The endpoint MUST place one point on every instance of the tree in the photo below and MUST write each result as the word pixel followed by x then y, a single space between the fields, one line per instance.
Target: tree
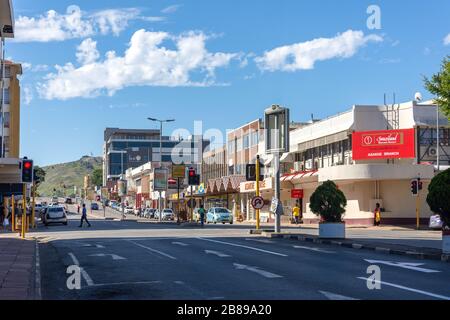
pixel 328 202
pixel 439 85
pixel 97 177
pixel 39 175
pixel 439 196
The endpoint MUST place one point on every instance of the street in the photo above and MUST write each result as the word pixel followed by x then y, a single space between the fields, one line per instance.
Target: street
pixel 128 260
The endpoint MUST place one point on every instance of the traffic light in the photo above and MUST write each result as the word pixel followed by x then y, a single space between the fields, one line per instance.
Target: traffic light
pixel 420 184
pixel 27 171
pixel 193 178
pixel 415 187
pixel 250 173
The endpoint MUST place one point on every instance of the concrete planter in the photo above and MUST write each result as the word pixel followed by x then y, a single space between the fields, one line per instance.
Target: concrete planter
pixel 332 230
pixel 446 242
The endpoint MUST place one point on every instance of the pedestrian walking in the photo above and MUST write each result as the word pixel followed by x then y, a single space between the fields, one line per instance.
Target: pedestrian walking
pixel 377 215
pixel 84 217
pixel 78 209
pixel 296 213
pixel 202 212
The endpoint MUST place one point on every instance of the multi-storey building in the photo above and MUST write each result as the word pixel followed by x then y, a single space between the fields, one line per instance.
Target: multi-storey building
pixel 372 153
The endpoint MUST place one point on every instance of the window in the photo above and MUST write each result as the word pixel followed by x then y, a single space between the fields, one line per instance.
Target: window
pixel 6 95
pixel 239 144
pixel 231 146
pixel 255 138
pixel 246 141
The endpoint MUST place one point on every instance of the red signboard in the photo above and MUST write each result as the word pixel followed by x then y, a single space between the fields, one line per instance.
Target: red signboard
pixel 389 144
pixel 297 193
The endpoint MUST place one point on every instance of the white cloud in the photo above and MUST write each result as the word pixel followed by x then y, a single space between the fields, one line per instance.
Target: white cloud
pixel 447 40
pixel 303 56
pixel 27 95
pixel 171 9
pixel 87 52
pixel 146 62
pixel 74 24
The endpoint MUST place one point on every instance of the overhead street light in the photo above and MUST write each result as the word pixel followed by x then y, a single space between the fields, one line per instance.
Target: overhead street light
pixel 160 153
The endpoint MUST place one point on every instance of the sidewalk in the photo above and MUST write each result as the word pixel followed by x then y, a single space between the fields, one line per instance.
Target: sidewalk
pixel 18 268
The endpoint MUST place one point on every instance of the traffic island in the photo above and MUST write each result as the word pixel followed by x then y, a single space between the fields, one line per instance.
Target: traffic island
pixel 388 248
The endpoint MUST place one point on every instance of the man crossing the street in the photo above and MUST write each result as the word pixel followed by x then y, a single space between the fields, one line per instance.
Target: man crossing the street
pixel 84 217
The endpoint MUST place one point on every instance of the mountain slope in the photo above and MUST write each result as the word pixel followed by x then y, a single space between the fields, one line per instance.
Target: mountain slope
pixel 69 174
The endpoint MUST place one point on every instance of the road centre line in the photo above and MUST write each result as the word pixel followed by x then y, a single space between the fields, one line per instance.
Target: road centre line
pixel 430 294
pixel 153 250
pixel 85 275
pixel 246 247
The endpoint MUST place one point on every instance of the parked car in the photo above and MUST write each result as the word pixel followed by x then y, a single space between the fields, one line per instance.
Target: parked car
pixel 68 201
pixel 149 213
pixel 94 206
pixel 436 222
pixel 54 214
pixel 55 200
pixel 219 215
pixel 129 210
pixel 168 215
pixel 38 207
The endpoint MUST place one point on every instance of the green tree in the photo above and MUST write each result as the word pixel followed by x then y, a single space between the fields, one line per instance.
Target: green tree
pixel 439 196
pixel 328 202
pixel 97 177
pixel 439 85
pixel 39 175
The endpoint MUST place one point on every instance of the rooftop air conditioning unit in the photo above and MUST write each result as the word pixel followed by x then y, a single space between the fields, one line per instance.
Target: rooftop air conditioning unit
pixel 432 151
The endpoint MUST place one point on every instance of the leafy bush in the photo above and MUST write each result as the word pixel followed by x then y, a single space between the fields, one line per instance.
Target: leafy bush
pixel 439 196
pixel 328 202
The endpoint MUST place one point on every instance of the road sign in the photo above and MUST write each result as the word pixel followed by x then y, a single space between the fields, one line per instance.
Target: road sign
pixel 179 171
pixel 258 203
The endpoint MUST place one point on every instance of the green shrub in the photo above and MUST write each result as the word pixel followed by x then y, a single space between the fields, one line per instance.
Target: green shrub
pixel 328 202
pixel 439 196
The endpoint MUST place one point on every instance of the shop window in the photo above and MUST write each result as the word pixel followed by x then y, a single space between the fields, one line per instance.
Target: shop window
pixel 246 141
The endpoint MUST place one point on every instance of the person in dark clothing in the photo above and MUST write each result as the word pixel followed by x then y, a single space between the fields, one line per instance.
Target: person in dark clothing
pixel 202 212
pixel 84 217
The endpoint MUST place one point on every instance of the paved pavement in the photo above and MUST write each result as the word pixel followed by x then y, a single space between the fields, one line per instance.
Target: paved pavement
pixel 129 260
pixel 17 268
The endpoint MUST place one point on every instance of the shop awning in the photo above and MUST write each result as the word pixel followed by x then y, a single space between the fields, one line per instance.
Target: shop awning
pixel 299 175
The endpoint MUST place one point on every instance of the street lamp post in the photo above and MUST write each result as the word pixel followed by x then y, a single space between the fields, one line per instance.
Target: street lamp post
pixel 437 141
pixel 161 154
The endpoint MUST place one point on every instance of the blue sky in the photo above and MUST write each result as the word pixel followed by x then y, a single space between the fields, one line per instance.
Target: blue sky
pixel 221 62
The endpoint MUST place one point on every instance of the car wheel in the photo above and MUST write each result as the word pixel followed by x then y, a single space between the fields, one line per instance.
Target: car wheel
pixel 231 222
pixel 223 222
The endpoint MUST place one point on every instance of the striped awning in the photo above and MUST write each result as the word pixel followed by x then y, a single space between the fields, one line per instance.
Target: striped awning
pixel 299 175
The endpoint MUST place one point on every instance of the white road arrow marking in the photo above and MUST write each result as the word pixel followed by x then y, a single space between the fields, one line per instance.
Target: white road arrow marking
pixel 313 249
pixel 180 244
pixel 246 247
pixel 219 254
pixel 404 265
pixel 260 240
pixel 113 256
pixel 99 246
pixel 430 294
pixel 335 297
pixel 263 273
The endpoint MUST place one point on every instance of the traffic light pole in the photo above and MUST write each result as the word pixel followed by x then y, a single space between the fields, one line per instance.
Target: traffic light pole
pixel 33 212
pixel 24 213
pixel 257 192
pixel 418 209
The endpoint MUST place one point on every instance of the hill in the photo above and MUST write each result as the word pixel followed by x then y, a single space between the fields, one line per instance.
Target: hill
pixel 69 174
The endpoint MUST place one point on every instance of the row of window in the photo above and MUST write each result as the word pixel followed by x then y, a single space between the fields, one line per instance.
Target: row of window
pixel 6 96
pixel 429 136
pixel 249 140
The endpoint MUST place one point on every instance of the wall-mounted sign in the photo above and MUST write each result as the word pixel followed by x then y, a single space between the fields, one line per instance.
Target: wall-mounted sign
pixel 160 179
pixel 389 144
pixel 297 193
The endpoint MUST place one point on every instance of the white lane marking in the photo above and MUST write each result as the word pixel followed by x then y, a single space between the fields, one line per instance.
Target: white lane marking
pixel 246 247
pixel 335 297
pixel 180 244
pixel 217 253
pixel 260 240
pixel 406 288
pixel 154 250
pixel 113 256
pixel 313 249
pixel 85 275
pixel 99 246
pixel 126 283
pixel 263 273
pixel 38 273
pixel 404 265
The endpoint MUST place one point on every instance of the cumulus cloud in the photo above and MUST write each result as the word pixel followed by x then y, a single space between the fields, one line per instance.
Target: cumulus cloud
pixel 146 62
pixel 27 95
pixel 75 23
pixel 447 40
pixel 87 52
pixel 303 56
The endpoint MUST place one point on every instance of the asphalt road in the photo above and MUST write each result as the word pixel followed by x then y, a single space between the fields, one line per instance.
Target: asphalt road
pixel 129 260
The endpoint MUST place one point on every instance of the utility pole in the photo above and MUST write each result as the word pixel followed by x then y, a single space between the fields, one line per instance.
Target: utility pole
pixel 24 212
pixel 257 192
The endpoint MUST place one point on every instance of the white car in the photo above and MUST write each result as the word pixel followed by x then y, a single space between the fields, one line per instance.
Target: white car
pixel 54 214
pixel 436 222
pixel 167 214
pixel 129 210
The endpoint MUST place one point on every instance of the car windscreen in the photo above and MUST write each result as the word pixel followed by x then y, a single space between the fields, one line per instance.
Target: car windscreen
pixel 222 211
